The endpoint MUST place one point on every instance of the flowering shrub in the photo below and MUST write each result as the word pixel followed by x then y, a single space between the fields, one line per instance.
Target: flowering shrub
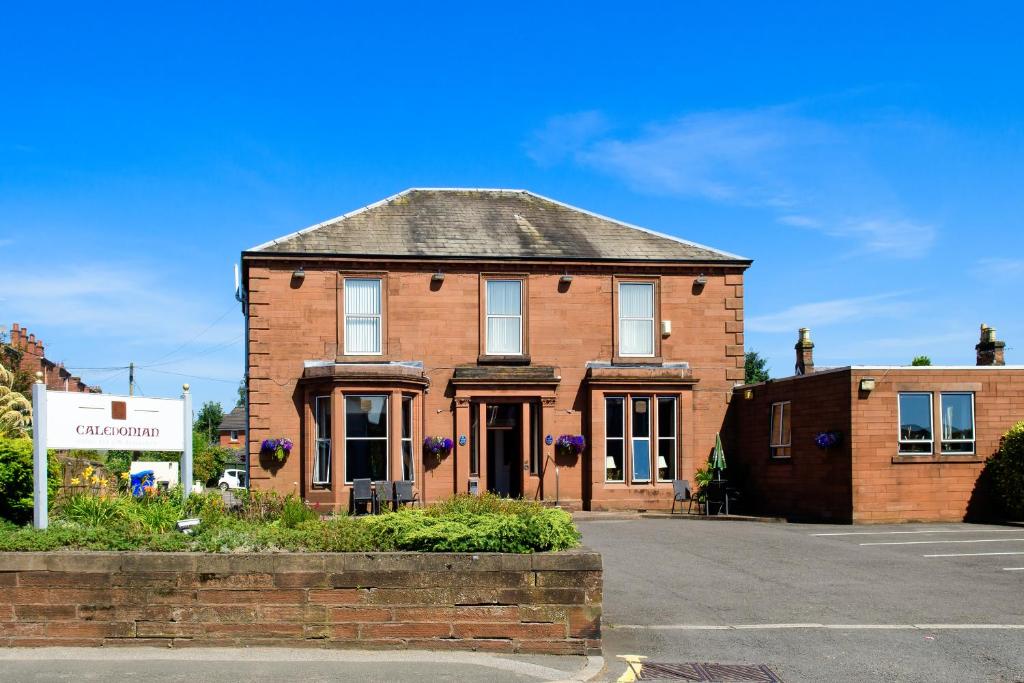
pixel 279 448
pixel 570 444
pixel 826 440
pixel 438 446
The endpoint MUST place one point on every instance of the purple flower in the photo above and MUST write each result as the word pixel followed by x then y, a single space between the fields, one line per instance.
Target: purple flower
pixel 825 440
pixel 572 444
pixel 438 446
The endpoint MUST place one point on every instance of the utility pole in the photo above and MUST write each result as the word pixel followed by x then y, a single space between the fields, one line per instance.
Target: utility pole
pixel 131 379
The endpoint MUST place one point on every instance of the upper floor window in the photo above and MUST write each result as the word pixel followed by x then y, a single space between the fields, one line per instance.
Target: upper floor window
pixel 363 316
pixel 957 423
pixel 636 319
pixel 781 437
pixel 504 302
pixel 915 412
pixel 234 435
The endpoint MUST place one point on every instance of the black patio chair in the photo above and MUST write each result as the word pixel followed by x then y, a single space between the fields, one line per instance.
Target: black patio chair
pixel 384 494
pixel 404 493
pixel 681 493
pixel 361 495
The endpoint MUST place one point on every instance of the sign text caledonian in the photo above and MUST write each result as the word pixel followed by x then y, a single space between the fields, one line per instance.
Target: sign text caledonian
pixel 103 421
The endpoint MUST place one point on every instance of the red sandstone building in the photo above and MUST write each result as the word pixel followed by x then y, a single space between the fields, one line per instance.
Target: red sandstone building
pixel 33 359
pixel 910 442
pixel 501 320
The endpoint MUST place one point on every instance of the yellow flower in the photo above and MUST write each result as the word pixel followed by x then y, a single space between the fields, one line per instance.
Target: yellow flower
pixel 124 476
pixel 87 472
pixel 95 480
pixel 75 481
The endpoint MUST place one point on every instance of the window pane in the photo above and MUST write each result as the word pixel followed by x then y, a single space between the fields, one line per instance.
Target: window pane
pixel 924 447
pixel 613 460
pixel 323 417
pixel 776 435
pixel 366 459
pixel 613 417
pixel 787 412
pixel 957 417
pixel 636 338
pixel 641 460
pixel 407 417
pixel 641 417
pixel 666 459
pixel 666 416
pixel 504 336
pixel 362 335
pixel 408 472
pixel 636 300
pixel 322 472
pixel 362 297
pixel 474 439
pixel 503 297
pixel 915 417
pixel 366 416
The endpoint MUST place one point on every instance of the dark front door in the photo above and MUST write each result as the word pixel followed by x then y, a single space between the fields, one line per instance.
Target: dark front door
pixel 505 449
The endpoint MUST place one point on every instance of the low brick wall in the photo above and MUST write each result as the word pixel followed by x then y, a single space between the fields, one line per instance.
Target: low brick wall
pixel 543 603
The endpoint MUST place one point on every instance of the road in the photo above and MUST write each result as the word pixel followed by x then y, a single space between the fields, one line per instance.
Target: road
pixel 812 602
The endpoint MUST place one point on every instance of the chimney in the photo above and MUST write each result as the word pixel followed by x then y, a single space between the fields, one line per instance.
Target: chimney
pixel 990 349
pixel 805 353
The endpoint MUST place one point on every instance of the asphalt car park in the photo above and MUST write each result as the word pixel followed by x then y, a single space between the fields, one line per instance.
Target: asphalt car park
pixel 814 602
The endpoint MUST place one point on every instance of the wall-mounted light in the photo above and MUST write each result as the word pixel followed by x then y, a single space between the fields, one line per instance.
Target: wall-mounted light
pixel 700 280
pixel 748 394
pixel 299 274
pixel 565 279
pixel 867 384
pixel 666 328
pixel 437 277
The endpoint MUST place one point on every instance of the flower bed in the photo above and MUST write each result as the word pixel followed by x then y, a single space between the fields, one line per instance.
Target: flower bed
pixel 267 522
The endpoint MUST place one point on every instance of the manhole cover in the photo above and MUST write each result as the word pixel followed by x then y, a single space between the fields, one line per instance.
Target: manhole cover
pixel 694 671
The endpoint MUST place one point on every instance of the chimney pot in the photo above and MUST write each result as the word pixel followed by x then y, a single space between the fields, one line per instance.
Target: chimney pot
pixel 804 352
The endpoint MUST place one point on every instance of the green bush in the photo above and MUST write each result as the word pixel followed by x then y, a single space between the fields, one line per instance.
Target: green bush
pixel 16 495
pixel 268 522
pixel 1007 472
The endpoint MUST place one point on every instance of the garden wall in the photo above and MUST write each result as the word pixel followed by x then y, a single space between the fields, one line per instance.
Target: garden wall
pixel 542 603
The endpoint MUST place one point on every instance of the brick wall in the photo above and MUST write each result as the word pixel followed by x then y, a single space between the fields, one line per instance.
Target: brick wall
pixel 547 603
pixel 811 483
pixel 439 325
pixel 34 360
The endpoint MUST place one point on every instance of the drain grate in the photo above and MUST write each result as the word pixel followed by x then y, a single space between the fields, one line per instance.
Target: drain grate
pixel 707 672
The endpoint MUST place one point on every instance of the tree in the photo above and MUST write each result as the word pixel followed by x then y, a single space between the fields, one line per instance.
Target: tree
pixel 240 403
pixel 208 420
pixel 15 409
pixel 921 360
pixel 755 368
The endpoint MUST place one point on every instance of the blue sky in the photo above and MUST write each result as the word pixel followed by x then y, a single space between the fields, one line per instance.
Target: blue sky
pixel 869 159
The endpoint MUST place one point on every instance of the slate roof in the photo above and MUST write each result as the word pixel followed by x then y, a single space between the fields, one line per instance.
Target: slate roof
pixel 233 420
pixel 493 224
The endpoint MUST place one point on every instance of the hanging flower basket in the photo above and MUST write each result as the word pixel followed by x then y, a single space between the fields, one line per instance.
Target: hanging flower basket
pixel 438 446
pixel 827 440
pixel 570 445
pixel 279 449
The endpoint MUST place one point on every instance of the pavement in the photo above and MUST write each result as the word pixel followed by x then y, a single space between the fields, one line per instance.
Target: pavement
pixel 911 602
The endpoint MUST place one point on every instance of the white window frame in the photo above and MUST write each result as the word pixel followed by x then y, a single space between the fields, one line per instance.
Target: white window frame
pixel 634 439
pixel 379 316
pixel 322 478
pixel 674 438
pixel 784 406
pixel 625 456
pixel 942 426
pixel 488 316
pixel 387 432
pixel 233 436
pixel 654 313
pixel 899 424
pixel 408 399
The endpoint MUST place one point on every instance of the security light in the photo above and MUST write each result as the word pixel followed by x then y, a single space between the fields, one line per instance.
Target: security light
pixel 299 274
pixel 437 277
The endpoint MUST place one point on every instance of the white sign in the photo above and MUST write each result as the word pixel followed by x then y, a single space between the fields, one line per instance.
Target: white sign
pixel 107 422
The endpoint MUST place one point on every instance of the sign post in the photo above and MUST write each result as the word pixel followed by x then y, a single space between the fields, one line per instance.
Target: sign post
pixel 63 419
pixel 40 471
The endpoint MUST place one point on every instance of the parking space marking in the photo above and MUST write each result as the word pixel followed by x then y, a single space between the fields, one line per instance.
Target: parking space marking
pixel 836 627
pixel 973 540
pixel 973 554
pixel 928 531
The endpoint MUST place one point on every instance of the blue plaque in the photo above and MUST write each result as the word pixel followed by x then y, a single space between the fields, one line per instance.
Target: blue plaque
pixel 549 439
pixel 462 439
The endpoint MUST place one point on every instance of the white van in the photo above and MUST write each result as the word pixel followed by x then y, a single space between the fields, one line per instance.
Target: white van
pixel 232 479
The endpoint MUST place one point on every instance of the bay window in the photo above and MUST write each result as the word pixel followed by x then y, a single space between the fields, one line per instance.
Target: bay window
pixel 614 442
pixel 666 438
pixel 408 462
pixel 322 455
pixel 640 443
pixel 640 431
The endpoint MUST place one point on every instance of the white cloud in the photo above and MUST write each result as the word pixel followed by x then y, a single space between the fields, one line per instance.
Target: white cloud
pixel 812 174
pixel 1001 268
pixel 823 313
